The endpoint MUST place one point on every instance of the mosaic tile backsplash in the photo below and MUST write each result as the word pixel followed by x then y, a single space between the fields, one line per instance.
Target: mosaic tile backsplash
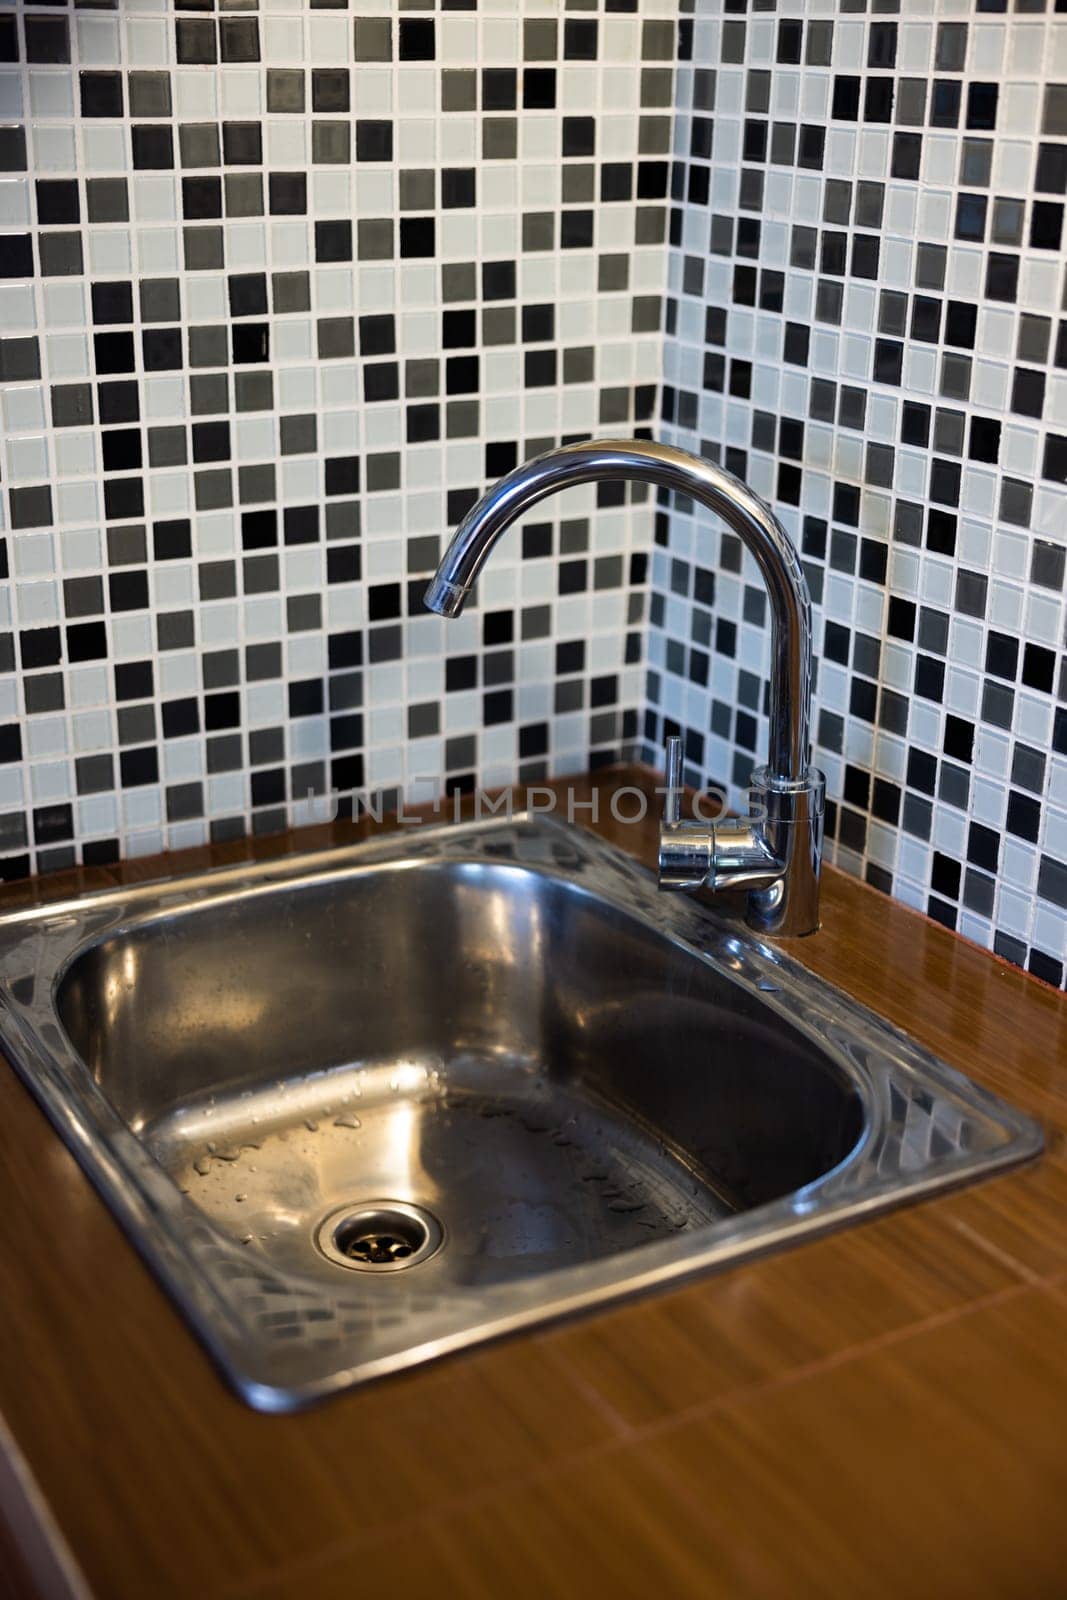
pixel 281 292
pixel 867 319
pixel 282 289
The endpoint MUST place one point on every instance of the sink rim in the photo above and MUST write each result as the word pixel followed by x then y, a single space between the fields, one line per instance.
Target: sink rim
pixel 213 1281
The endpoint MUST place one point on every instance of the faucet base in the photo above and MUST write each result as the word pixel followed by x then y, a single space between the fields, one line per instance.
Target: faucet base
pixel 793 827
pixel 774 853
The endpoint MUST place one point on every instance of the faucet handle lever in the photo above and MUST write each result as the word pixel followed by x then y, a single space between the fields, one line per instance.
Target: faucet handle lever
pixel 672 802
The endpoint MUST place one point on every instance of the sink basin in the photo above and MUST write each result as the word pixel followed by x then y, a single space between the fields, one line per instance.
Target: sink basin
pixel 365 1107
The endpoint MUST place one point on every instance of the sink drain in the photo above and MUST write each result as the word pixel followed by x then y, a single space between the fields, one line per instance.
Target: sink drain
pixel 380 1236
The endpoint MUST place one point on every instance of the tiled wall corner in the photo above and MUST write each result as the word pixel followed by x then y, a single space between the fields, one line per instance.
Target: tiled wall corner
pixel 867 319
pixel 281 291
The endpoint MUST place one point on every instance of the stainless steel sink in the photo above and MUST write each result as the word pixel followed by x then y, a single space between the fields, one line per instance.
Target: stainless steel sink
pixel 361 1108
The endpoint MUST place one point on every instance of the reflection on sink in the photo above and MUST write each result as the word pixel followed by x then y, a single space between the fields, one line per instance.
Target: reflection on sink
pixel 362 1108
pixel 525 1060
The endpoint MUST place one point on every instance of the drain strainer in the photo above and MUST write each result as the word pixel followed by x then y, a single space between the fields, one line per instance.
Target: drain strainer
pixel 379 1236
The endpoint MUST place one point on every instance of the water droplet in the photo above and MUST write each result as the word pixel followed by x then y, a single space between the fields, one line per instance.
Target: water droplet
pixel 240 1197
pixel 311 1125
pixel 348 1121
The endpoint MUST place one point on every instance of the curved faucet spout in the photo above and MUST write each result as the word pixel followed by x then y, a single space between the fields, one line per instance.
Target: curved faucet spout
pixel 744 512
pixel 776 856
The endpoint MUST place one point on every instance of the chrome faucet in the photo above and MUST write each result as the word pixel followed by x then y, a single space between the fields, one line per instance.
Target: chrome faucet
pixel 775 852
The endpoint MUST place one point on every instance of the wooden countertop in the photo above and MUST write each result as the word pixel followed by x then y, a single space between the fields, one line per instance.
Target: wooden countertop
pixel 882 1412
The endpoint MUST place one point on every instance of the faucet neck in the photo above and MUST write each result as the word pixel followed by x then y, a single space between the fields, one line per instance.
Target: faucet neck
pixel 753 521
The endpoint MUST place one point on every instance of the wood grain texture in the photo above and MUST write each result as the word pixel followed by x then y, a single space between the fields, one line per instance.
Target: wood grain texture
pixel 880 1412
